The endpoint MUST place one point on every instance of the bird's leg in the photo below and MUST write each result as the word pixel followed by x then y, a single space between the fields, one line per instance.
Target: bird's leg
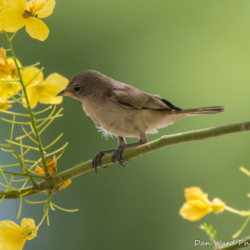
pixel 97 158
pixel 122 145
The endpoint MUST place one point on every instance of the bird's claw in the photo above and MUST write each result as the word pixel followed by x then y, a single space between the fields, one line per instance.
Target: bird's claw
pixel 117 155
pixel 97 160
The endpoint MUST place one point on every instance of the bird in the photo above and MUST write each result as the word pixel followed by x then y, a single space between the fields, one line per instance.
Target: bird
pixel 123 110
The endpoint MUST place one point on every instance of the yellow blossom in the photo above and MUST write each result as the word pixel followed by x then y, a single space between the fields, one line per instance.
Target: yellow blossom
pixel 197 204
pixel 65 184
pixel 51 165
pixel 4 104
pixel 5 67
pixel 8 72
pixel 19 13
pixel 41 90
pixel 9 88
pixel 13 236
pixel 39 171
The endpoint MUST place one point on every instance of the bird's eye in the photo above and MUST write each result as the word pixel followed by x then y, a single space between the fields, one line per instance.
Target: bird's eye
pixel 77 89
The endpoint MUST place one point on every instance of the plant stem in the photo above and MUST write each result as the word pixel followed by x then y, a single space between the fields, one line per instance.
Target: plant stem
pixel 235 211
pixel 28 103
pixel 131 153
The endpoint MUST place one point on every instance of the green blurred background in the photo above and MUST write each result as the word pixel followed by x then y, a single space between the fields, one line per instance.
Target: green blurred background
pixel 193 53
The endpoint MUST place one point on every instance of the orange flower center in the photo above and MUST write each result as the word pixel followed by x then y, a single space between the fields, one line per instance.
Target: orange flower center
pixel 27 14
pixel 32 7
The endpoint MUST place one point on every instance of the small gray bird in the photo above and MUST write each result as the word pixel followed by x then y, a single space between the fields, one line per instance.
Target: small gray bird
pixel 123 110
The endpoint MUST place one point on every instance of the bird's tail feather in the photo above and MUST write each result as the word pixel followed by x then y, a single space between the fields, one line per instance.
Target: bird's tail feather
pixel 201 111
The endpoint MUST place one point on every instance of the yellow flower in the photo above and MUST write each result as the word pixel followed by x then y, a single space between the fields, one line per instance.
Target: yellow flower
pixel 4 104
pixel 5 67
pixel 65 184
pixel 51 165
pixel 41 90
pixel 39 171
pixel 9 88
pixel 8 72
pixel 19 13
pixel 198 205
pixel 13 236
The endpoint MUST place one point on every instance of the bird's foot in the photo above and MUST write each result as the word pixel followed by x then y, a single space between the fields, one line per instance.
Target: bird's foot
pixel 97 160
pixel 117 155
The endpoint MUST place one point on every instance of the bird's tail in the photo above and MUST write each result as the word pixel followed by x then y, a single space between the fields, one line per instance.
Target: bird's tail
pixel 201 111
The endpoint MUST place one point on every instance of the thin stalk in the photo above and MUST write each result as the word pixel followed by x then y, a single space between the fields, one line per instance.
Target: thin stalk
pixel 58 150
pixel 22 165
pixel 42 111
pixel 28 104
pixel 33 65
pixel 235 211
pixel 23 136
pixel 52 143
pixel 25 146
pixel 17 174
pixel 23 123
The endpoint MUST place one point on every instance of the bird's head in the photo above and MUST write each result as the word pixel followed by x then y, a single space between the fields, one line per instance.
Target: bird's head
pixel 84 84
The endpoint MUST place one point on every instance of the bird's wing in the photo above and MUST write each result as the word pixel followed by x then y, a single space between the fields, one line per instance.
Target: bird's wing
pixel 128 96
pixel 133 98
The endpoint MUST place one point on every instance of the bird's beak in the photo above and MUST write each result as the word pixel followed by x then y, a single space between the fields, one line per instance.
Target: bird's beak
pixel 64 93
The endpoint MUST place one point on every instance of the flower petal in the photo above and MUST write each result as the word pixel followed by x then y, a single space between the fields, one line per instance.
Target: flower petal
pixel 8 89
pixel 37 28
pixel 35 5
pixel 29 73
pixel 193 213
pixel 198 203
pixel 27 222
pixel 11 235
pixel 55 83
pixel 65 184
pixel 1 27
pixel 47 10
pixel 39 171
pixel 193 193
pixel 11 61
pixel 4 105
pixel 8 224
pixel 33 100
pixel 15 4
pixel 29 228
pixel 57 80
pixel 11 20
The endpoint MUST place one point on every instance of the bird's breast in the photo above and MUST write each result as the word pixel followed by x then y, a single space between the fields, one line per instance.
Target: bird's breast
pixel 113 118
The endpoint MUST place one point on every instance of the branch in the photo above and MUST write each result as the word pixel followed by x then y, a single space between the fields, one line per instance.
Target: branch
pixel 130 154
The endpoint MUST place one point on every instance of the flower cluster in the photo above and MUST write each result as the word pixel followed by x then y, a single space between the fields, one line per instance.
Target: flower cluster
pixel 27 85
pixel 16 14
pixel 197 204
pixel 38 89
pixel 52 169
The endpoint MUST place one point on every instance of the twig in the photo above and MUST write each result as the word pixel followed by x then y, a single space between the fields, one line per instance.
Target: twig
pixel 131 153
